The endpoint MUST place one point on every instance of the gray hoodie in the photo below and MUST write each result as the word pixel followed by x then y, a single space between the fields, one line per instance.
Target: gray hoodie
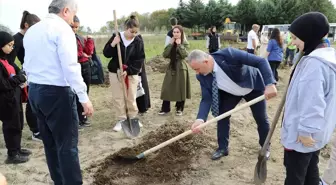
pixel 310 108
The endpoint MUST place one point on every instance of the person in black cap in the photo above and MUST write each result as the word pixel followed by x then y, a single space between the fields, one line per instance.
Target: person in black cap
pixel 11 112
pixel 309 116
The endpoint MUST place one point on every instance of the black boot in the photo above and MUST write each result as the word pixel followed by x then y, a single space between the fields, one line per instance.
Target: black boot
pixel 25 152
pixel 16 159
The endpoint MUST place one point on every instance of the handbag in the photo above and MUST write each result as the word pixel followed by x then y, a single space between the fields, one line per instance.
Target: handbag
pixel 140 89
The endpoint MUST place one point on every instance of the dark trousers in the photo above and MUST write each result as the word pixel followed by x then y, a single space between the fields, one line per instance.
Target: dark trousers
pixel 12 131
pixel 212 50
pixel 301 168
pixel 31 118
pixel 274 66
pixel 56 111
pixel 166 106
pixel 250 51
pixel 229 102
pixel 86 74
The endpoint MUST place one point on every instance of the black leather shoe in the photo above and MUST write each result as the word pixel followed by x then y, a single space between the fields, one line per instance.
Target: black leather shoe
pixel 16 159
pixel 220 153
pixel 25 152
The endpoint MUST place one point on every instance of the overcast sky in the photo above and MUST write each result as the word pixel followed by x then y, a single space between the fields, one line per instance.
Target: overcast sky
pixel 93 13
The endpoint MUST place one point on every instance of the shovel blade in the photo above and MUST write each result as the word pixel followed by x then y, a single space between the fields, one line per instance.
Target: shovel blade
pixel 131 127
pixel 260 171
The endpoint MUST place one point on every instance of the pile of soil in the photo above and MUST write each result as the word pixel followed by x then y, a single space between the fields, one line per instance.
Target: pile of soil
pixel 158 63
pixel 164 166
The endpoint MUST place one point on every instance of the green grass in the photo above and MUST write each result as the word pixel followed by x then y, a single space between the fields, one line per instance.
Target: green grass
pixel 154 46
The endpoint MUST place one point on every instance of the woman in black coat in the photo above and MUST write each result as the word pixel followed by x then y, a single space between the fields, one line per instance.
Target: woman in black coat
pixel 11 113
pixel 143 102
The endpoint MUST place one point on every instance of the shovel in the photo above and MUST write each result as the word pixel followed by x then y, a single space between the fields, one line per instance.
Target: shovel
pixel 130 159
pixel 130 126
pixel 260 171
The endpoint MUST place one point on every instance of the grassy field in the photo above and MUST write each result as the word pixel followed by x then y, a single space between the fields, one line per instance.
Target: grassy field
pixel 100 141
pixel 154 46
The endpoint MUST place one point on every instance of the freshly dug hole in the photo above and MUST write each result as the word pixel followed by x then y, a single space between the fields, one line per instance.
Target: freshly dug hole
pixel 164 166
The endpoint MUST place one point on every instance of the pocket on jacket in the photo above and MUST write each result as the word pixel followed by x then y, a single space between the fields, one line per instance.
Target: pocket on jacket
pixel 292 133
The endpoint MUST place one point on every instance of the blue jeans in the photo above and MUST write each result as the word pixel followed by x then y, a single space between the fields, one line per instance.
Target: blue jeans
pixel 228 102
pixel 56 111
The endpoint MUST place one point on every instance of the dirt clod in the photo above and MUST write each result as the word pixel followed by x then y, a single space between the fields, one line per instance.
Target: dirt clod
pixel 158 63
pixel 164 166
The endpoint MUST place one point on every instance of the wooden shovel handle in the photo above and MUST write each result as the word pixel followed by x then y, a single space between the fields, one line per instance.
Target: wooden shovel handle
pixel 120 60
pixel 222 116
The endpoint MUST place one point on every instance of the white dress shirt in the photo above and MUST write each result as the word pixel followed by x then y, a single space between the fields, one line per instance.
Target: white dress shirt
pixel 51 56
pixel 226 84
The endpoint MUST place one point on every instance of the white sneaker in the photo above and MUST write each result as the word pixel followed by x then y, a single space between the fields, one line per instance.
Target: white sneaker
pixel 140 124
pixel 117 127
pixel 322 182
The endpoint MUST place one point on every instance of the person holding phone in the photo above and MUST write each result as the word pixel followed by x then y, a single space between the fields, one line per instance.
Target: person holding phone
pixel 176 84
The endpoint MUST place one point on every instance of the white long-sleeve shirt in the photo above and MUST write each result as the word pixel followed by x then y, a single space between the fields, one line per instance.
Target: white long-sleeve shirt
pixel 51 56
pixel 226 84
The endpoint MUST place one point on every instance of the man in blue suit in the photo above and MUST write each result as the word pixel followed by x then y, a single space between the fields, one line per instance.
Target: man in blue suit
pixel 227 76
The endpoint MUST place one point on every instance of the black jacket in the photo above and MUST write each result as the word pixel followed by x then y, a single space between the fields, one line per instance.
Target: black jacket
pixel 133 56
pixel 9 94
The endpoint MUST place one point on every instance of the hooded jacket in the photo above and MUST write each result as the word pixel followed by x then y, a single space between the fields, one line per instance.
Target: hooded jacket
pixel 311 101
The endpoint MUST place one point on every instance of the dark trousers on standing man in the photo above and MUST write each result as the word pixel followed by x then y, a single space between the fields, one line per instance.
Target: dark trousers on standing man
pixel 31 118
pixel 301 168
pixel 86 74
pixel 228 102
pixel 166 106
pixel 274 66
pixel 250 51
pixel 56 111
pixel 12 131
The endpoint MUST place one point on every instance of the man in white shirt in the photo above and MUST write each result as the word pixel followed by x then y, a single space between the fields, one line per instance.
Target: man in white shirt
pixel 252 39
pixel 54 77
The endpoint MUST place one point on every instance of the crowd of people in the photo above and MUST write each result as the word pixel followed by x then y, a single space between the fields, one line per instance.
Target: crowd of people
pixel 56 62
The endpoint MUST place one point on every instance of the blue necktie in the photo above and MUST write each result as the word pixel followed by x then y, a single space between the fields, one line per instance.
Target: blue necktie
pixel 215 101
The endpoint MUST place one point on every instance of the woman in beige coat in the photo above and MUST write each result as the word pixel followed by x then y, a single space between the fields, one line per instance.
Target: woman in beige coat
pixel 176 84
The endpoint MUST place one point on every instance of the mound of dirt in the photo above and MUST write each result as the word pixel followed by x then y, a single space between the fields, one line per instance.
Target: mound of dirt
pixel 164 166
pixel 158 63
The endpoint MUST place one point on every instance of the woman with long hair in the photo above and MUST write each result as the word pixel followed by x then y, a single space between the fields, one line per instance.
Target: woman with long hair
pixel 176 83
pixel 275 52
pixel 212 40
pixel 27 21
pixel 133 56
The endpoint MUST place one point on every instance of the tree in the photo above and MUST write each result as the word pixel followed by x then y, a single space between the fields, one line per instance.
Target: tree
pixel 181 13
pixel 195 13
pixel 246 12
pixel 103 29
pixel 160 18
pixel 88 30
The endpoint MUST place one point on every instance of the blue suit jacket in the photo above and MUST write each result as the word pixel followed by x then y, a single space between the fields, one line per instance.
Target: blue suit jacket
pixel 245 69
